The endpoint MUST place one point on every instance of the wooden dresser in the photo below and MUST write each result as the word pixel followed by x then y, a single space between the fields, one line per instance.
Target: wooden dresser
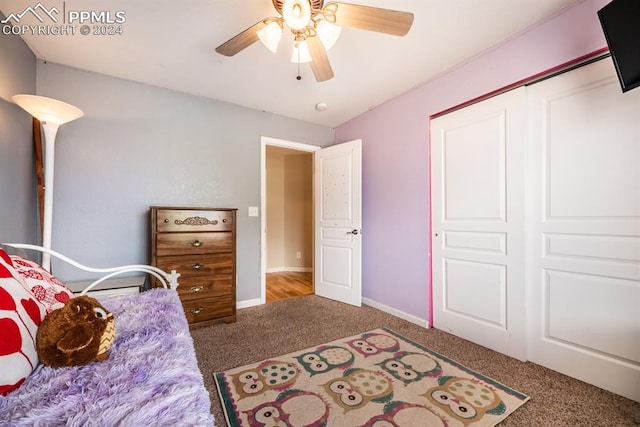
pixel 200 244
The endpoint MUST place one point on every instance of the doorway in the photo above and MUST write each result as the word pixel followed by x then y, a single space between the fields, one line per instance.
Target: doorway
pixel 337 218
pixel 287 206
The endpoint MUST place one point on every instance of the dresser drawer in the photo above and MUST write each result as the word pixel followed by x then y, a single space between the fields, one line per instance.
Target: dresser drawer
pixel 204 309
pixel 199 243
pixel 198 265
pixel 193 220
pixel 197 288
pixel 192 243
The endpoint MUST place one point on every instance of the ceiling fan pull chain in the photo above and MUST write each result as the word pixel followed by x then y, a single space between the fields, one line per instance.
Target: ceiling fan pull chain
pixel 298 77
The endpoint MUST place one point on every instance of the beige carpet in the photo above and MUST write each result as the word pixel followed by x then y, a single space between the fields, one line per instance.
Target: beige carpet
pixel 277 328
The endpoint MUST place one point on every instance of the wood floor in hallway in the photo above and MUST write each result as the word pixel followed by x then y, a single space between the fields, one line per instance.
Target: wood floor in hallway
pixel 288 284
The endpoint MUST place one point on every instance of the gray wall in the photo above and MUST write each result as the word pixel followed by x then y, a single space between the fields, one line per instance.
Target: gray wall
pixel 18 211
pixel 138 146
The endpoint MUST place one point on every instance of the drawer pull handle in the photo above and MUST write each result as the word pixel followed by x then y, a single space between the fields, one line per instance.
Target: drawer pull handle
pixel 196 243
pixel 197 266
pixel 196 310
pixel 196 289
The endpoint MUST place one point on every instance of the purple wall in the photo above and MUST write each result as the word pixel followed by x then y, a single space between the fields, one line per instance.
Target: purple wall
pixel 395 151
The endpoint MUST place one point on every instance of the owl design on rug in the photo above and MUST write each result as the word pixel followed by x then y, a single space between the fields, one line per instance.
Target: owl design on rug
pixel 411 367
pixel 269 375
pixel 325 358
pixel 402 414
pixel 291 408
pixel 464 399
pixel 358 387
pixel 372 343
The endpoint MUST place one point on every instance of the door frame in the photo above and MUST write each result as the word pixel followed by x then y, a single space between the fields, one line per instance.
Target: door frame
pixel 264 142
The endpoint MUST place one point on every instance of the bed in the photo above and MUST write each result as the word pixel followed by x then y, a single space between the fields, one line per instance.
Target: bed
pixel 150 378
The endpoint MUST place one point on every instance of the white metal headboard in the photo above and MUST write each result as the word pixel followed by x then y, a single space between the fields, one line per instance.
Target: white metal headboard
pixel 164 277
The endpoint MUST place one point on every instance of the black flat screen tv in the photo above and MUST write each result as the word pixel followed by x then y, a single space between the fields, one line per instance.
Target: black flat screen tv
pixel 620 20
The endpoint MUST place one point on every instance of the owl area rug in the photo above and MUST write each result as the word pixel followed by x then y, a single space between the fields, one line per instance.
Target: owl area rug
pixel 376 379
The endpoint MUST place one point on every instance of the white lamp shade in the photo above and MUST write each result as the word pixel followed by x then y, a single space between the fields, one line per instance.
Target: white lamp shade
pixel 300 53
pixel 48 110
pixel 297 13
pixel 270 36
pixel 328 33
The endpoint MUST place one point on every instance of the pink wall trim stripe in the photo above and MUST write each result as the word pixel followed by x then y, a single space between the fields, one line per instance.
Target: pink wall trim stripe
pixel 524 81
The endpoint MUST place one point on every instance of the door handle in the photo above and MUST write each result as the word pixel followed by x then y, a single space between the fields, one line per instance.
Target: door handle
pixel 354 232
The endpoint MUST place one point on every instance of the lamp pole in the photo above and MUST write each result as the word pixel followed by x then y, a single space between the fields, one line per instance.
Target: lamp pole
pixel 50 130
pixel 51 113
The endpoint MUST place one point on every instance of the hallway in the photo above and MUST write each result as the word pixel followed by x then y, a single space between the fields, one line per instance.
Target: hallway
pixel 288 284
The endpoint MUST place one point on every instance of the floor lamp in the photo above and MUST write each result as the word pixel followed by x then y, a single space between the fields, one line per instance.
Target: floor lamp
pixel 51 113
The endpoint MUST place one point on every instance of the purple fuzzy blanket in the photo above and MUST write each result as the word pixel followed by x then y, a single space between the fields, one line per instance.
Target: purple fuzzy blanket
pixel 150 378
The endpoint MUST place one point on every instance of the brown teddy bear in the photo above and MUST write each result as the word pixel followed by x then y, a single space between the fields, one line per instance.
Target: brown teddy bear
pixel 78 333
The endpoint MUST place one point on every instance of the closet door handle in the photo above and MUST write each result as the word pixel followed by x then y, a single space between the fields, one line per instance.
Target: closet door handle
pixel 354 232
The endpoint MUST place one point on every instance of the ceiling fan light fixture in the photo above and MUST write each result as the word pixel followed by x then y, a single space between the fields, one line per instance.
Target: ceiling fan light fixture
pixel 328 33
pixel 319 25
pixel 296 13
pixel 300 53
pixel 270 35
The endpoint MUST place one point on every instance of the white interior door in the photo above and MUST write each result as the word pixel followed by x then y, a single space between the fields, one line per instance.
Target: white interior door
pixel 338 222
pixel 477 160
pixel 585 228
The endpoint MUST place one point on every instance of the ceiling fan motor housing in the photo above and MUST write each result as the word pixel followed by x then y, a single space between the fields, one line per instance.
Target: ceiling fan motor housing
pixel 315 4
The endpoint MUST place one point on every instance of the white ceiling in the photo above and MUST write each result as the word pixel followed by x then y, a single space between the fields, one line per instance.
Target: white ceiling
pixel 171 44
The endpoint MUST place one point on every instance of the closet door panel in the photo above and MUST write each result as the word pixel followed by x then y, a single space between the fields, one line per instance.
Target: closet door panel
pixel 477 158
pixel 592 150
pixel 584 189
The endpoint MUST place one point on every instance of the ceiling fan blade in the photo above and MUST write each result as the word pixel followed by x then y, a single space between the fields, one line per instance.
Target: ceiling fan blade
pixel 386 21
pixel 319 60
pixel 241 40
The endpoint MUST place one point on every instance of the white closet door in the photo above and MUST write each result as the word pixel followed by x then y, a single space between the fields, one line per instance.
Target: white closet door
pixel 477 160
pixel 584 280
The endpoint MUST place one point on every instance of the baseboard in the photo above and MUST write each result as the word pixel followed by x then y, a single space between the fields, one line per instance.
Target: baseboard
pixel 401 314
pixel 117 283
pixel 248 303
pixel 110 287
pixel 294 269
pixel 108 293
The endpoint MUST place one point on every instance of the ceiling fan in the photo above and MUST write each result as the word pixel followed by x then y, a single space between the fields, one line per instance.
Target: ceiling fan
pixel 316 27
